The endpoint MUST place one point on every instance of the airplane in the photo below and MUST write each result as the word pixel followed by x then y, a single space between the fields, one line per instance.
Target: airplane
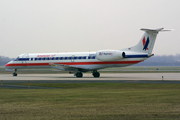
pixel 80 62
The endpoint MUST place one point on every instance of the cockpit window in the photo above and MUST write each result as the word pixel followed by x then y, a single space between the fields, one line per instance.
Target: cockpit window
pixel 17 59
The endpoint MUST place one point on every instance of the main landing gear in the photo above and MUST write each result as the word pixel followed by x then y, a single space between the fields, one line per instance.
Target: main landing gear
pixel 15 74
pixel 79 74
pixel 94 73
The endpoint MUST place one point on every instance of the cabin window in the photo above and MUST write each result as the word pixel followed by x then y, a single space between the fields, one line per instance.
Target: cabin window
pixel 91 57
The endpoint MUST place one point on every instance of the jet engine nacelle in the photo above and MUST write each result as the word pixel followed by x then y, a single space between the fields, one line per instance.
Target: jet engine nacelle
pixel 109 55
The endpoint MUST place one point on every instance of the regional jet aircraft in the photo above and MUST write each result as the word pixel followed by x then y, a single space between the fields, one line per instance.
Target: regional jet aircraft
pixel 80 62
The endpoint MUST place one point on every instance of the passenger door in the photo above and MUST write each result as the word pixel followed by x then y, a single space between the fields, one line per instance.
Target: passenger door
pixel 25 60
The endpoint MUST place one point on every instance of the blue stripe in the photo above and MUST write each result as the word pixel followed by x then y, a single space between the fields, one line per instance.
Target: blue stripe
pixel 136 56
pixel 56 58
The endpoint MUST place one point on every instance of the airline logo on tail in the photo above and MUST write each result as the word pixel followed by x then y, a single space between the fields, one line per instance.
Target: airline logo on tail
pixel 145 43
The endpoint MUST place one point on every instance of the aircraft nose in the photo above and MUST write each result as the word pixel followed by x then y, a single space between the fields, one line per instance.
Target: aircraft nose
pixel 8 64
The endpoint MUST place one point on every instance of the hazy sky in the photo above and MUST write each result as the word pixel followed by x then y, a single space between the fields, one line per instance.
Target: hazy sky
pixel 38 26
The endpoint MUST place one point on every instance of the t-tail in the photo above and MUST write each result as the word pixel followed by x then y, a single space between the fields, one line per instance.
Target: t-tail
pixel 147 41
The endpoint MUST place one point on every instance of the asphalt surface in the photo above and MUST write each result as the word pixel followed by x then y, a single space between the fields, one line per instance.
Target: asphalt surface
pixel 160 78
pixel 104 76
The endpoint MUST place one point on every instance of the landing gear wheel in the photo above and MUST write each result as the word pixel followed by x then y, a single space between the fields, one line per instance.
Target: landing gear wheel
pixel 79 74
pixel 14 74
pixel 96 74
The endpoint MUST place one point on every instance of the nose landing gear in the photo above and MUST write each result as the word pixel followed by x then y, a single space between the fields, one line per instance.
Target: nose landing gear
pixel 15 74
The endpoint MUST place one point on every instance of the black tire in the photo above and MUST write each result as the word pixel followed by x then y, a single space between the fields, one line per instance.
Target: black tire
pixel 79 75
pixel 96 74
pixel 14 74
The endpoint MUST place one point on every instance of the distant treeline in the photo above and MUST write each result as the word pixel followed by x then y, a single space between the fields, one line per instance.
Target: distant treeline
pixel 4 60
pixel 165 60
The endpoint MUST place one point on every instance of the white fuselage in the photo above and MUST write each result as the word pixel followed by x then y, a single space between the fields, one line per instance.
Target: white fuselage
pixel 84 60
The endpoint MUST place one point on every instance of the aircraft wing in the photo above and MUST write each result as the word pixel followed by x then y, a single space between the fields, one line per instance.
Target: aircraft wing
pixel 68 67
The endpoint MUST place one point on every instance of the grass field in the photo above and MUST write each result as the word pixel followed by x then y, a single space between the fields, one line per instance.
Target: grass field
pixel 111 101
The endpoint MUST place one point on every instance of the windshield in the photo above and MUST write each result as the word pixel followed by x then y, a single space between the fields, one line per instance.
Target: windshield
pixel 16 59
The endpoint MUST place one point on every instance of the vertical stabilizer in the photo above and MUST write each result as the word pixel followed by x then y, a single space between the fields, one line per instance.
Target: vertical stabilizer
pixel 146 44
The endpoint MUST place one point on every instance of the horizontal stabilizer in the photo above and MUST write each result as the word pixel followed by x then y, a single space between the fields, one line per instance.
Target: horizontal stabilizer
pixel 155 30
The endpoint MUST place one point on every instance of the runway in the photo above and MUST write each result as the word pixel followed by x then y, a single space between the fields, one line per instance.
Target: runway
pixel 104 76
pixel 159 78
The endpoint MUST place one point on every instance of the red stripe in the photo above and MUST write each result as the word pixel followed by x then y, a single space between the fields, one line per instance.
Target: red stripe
pixel 73 63
pixel 144 41
pixel 28 64
pixel 95 63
